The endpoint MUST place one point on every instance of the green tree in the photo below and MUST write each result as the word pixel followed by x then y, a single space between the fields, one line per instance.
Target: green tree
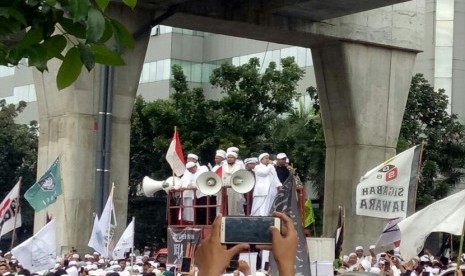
pixel 18 158
pixel 426 120
pixel 243 117
pixel 78 32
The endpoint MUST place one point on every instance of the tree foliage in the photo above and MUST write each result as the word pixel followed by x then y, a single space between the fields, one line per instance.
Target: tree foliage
pixel 244 116
pixel 18 157
pixel 426 120
pixel 78 32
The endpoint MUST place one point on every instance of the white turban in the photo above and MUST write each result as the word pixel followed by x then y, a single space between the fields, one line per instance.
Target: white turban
pixel 193 156
pixel 281 155
pixel 221 153
pixel 231 153
pixel 234 149
pixel 260 157
pixel 251 160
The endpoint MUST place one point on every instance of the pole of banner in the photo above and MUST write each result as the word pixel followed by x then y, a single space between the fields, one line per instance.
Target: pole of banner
pixel 418 176
pixel 16 213
pixel 451 245
pixel 459 256
pixel 132 255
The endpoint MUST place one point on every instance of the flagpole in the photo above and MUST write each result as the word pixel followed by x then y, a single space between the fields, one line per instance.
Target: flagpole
pixel 459 256
pixel 418 176
pixel 132 255
pixel 16 213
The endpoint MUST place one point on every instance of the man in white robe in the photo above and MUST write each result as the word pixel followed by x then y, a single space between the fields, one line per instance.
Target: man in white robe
pixel 266 186
pixel 189 180
pixel 235 200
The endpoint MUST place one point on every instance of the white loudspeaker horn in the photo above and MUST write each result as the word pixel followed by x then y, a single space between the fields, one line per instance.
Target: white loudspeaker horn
pixel 242 181
pixel 150 186
pixel 209 183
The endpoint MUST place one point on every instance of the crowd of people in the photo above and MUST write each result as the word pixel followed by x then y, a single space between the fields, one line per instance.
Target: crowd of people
pixel 391 263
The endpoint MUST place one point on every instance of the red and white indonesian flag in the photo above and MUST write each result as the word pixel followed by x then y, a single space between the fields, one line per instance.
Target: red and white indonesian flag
pixel 175 156
pixel 386 191
pixel 9 209
pixel 446 215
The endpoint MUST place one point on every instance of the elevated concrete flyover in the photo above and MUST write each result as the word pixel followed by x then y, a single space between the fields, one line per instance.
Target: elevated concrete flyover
pixel 363 54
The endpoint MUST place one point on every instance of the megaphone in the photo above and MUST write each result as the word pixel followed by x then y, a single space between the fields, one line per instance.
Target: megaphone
pixel 209 183
pixel 242 181
pixel 150 186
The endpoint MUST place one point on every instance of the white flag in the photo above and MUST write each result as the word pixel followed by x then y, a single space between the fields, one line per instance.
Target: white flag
pixel 96 240
pixel 385 191
pixel 390 234
pixel 446 215
pixel 107 224
pixel 125 243
pixel 9 209
pixel 38 252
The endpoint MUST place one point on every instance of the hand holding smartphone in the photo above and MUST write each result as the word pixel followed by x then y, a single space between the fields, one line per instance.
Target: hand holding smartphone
pixel 251 230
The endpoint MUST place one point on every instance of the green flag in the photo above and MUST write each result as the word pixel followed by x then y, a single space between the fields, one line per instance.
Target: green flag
pixel 46 190
pixel 309 216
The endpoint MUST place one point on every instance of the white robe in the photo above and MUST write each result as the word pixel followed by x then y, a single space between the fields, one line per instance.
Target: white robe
pixel 189 179
pixel 235 199
pixel 265 191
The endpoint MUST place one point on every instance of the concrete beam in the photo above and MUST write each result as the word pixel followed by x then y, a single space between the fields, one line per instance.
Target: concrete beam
pixel 363 90
pixel 67 128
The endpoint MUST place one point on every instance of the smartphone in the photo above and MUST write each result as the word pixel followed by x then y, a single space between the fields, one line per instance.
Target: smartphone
pixel 253 230
pixel 186 265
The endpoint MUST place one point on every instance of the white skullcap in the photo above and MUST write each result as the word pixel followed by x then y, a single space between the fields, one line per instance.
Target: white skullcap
pixel 372 246
pixel 251 160
pixel 73 263
pixel 231 153
pixel 190 165
pixel 260 157
pixel 359 248
pixel 96 253
pixel 75 256
pixel 233 149
pixel 193 156
pixel 345 258
pixel 221 154
pixel 281 155
pixel 352 254
pixel 424 259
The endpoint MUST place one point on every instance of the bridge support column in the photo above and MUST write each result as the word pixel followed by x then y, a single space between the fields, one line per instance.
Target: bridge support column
pixel 363 90
pixel 68 128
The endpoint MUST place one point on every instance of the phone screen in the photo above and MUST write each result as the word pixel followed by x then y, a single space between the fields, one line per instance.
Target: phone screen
pixel 254 230
pixel 186 264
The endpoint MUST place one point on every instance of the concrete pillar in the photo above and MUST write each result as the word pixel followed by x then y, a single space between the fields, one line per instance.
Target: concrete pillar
pixel 68 128
pixel 363 90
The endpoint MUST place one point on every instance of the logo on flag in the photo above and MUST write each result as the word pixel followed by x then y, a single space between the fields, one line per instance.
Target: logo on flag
pixel 46 190
pixel 47 183
pixel 389 171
